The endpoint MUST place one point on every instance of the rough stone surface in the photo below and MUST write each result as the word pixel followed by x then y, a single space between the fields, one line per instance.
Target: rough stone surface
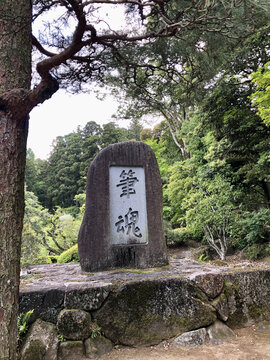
pixel 211 284
pixel 85 297
pixel 219 333
pixel 245 298
pixel 95 348
pixel 41 342
pixel 71 350
pixel 190 339
pixel 248 295
pixel 147 312
pixel 47 303
pixel 95 247
pixel 74 324
pixel 224 304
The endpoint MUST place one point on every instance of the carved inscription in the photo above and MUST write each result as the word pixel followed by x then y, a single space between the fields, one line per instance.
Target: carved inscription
pixel 128 216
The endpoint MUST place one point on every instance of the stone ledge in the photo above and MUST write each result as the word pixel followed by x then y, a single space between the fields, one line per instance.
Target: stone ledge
pixel 135 307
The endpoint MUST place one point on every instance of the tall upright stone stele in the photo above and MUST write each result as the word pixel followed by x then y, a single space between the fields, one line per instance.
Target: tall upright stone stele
pixel 122 225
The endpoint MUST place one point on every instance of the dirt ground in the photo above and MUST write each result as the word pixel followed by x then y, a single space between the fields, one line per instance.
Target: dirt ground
pixel 251 343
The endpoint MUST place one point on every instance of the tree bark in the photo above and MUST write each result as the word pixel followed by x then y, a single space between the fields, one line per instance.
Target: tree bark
pixel 15 73
pixel 12 164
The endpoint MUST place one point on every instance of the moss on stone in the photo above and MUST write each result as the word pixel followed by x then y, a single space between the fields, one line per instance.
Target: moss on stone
pixel 143 271
pixel 74 324
pixel 35 351
pixel 71 350
pixel 230 288
pixel 146 312
pixel 257 312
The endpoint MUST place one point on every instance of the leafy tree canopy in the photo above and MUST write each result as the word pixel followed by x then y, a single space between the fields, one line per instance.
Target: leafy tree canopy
pixel 261 97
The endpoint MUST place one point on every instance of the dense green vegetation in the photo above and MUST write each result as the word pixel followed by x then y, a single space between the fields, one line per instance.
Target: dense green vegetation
pixel 219 193
pixel 212 146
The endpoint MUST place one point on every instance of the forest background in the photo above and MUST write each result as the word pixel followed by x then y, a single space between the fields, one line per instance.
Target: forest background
pixel 201 65
pixel 212 147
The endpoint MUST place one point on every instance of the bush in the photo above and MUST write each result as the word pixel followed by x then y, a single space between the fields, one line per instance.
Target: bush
pixel 182 235
pixel 253 252
pixel 178 236
pixel 257 251
pixel 70 255
pixel 251 228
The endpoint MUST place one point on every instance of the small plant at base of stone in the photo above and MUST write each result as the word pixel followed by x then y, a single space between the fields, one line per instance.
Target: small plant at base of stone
pixel 23 324
pixel 61 338
pixel 96 331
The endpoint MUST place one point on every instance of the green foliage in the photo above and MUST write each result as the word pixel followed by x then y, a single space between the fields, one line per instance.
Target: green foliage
pixel 96 331
pixel 35 220
pixel 53 258
pixel 203 258
pixel 257 225
pixel 253 252
pixel 212 147
pixel 209 206
pixel 251 228
pixel 47 235
pixel 23 324
pixel 61 338
pixel 70 255
pixel 42 260
pixel 261 97
pixel 178 236
pixel 182 235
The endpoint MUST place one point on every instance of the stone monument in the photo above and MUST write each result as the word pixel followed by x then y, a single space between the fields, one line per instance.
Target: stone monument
pixel 122 225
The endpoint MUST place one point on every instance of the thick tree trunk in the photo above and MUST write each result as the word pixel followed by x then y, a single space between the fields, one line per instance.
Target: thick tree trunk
pixel 15 74
pixel 12 162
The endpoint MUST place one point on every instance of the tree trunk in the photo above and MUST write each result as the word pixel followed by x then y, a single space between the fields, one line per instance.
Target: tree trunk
pixel 15 73
pixel 12 163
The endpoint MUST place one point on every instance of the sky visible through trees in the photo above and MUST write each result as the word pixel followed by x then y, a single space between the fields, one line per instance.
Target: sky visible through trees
pixel 188 64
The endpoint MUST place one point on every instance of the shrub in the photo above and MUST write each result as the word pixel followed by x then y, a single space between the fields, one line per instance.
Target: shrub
pixel 178 236
pixel 70 255
pixel 182 235
pixel 253 252
pixel 251 228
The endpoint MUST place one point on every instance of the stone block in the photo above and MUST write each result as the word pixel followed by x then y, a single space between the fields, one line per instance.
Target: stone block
pixel 47 303
pixel 122 226
pixel 98 346
pixel 41 342
pixel 219 333
pixel 146 312
pixel 247 295
pixel 190 339
pixel 211 284
pixel 71 350
pixel 85 297
pixel 74 324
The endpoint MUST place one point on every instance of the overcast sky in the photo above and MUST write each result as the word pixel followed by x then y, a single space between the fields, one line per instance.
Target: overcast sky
pixel 62 114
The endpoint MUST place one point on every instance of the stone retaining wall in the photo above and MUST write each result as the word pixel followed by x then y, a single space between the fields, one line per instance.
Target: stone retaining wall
pixel 88 318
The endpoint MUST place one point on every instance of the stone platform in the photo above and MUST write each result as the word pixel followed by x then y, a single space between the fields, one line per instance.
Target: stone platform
pixel 135 307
